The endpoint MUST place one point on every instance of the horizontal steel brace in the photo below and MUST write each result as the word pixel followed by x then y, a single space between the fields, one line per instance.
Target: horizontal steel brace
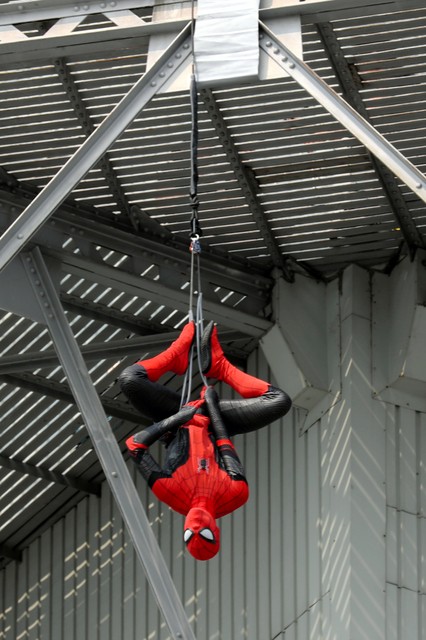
pixel 36 10
pixel 51 476
pixel 42 47
pixel 170 251
pixel 62 392
pixel 135 285
pixel 61 185
pixel 96 351
pixel 343 112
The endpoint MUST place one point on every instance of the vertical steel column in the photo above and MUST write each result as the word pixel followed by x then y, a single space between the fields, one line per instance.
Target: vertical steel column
pixel 90 152
pixel 105 444
pixel 345 114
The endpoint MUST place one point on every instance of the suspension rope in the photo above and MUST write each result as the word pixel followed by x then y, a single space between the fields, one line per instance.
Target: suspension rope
pixel 195 234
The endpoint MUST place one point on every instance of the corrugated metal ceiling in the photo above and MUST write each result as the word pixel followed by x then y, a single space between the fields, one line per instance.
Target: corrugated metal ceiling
pixel 121 239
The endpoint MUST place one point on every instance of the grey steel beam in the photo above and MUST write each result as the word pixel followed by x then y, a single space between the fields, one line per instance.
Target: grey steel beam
pixel 36 214
pixel 343 112
pixel 46 47
pixel 37 471
pixel 62 392
pixel 95 351
pixel 106 447
pixel 247 183
pixel 40 10
pixel 346 78
pixel 86 227
pixel 116 278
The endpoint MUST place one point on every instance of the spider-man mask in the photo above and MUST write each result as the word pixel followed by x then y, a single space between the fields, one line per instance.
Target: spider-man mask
pixel 201 534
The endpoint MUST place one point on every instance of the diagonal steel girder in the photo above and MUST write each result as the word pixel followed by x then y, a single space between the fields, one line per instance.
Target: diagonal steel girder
pixel 109 454
pixel 346 78
pixel 343 112
pixel 61 185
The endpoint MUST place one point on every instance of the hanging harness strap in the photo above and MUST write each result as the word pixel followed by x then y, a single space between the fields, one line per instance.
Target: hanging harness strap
pixel 194 247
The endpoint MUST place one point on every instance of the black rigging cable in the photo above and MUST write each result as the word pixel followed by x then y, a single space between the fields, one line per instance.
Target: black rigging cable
pixel 195 230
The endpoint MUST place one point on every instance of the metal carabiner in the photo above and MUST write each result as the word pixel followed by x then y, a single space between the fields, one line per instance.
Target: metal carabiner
pixel 195 246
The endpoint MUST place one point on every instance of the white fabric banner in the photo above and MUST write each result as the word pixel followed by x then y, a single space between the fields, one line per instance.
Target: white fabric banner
pixel 226 41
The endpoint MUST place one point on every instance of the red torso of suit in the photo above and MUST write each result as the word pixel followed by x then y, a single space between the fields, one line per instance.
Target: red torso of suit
pixel 200 481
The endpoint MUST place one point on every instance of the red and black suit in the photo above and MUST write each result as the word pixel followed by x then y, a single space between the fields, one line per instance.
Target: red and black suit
pixel 202 476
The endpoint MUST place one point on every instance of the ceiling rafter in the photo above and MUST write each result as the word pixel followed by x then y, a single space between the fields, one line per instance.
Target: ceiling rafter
pixel 87 127
pixel 38 471
pixel 247 181
pixel 350 82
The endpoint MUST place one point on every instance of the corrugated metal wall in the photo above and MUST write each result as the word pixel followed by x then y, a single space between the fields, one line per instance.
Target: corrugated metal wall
pixel 80 580
pixel 406 524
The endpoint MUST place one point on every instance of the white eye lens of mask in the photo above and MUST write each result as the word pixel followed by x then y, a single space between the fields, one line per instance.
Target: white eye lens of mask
pixel 187 535
pixel 207 534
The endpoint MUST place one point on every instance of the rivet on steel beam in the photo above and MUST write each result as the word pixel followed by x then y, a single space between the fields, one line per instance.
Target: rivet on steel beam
pixel 284 58
pixel 186 45
pixel 269 43
pixel 178 55
pixel 419 185
pixel 276 50
pixel 291 65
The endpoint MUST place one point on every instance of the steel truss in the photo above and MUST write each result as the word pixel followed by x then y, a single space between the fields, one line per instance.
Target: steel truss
pixel 39 282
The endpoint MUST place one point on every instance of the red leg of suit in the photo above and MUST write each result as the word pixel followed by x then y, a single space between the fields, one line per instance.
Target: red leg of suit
pixel 174 359
pixel 219 367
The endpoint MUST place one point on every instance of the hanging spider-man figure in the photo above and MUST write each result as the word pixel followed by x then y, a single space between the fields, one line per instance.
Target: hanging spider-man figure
pixel 202 477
